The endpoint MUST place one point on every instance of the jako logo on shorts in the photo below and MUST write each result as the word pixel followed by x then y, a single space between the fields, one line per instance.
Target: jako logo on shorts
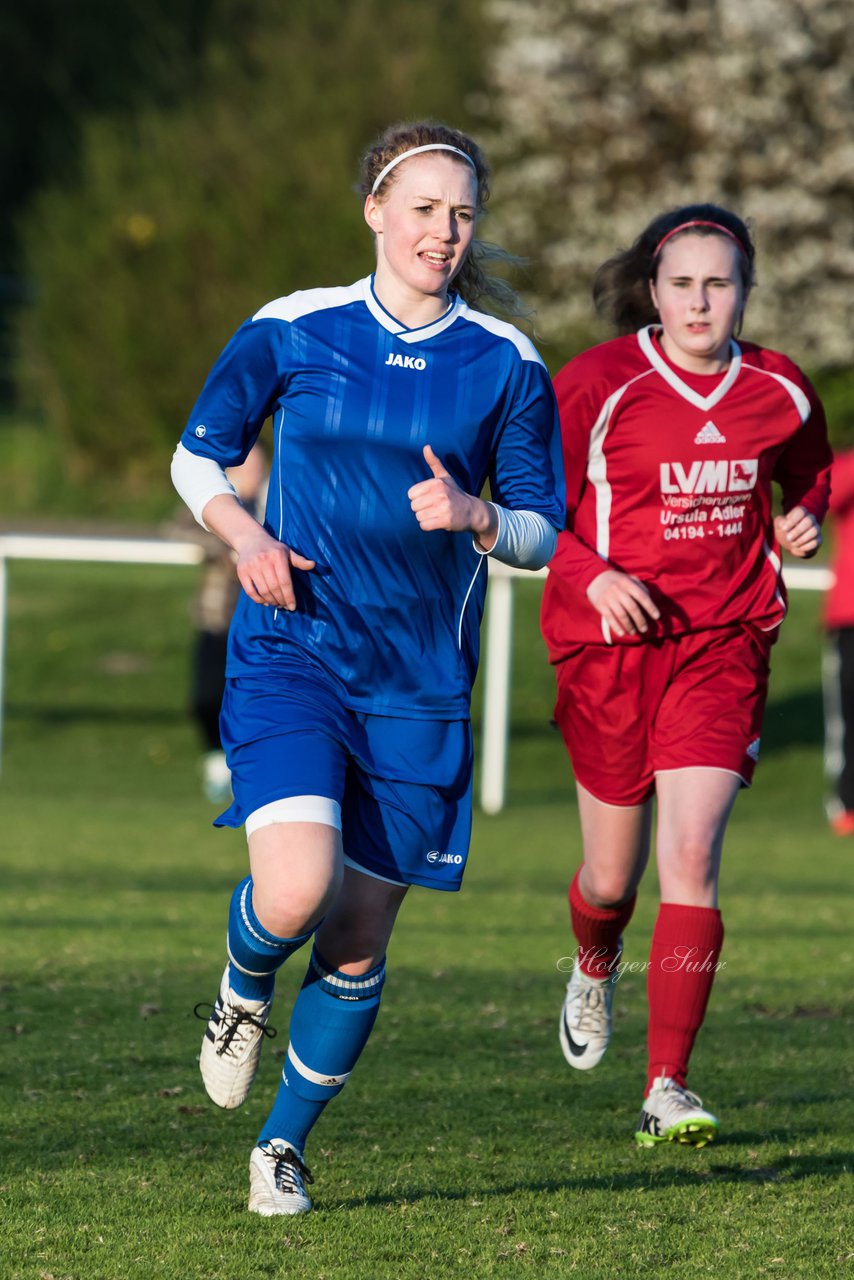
pixel 435 856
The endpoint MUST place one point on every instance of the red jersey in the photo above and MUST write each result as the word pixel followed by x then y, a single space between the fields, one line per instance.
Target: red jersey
pixel 839 603
pixel 669 479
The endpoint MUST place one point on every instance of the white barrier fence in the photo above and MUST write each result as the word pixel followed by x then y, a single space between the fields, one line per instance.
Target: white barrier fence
pixel 498 637
pixel 24 546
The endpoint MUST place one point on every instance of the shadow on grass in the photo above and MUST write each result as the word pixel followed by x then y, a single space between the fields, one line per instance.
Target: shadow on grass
pixel 789 1169
pixel 97 1150
pixel 95 715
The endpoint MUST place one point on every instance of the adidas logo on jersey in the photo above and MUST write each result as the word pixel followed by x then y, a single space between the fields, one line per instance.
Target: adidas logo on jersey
pixel 709 434
pixel 406 362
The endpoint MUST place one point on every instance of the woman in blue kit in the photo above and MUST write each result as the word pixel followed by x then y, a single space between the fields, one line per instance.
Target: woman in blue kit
pixel 355 642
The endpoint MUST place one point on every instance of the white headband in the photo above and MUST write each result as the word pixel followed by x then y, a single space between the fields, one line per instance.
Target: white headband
pixel 416 151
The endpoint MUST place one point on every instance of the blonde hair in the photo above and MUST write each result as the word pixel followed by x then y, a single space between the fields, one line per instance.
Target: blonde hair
pixel 472 282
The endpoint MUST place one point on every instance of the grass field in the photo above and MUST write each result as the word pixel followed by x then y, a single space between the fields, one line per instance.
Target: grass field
pixel 463 1146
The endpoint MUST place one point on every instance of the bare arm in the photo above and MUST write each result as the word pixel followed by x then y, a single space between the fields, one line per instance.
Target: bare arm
pixel 440 503
pixel 623 602
pixel 799 533
pixel 263 564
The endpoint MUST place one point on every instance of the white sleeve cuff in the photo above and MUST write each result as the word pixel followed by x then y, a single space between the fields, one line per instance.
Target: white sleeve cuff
pixel 525 539
pixel 198 480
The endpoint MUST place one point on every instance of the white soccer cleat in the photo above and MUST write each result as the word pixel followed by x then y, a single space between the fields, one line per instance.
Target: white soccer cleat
pixel 585 1019
pixel 231 1048
pixel 277 1178
pixel 671 1113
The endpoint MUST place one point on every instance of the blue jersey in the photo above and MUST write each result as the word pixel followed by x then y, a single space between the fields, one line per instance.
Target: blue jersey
pixel 391 612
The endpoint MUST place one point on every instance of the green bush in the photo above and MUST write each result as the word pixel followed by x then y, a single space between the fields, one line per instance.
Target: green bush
pixel 183 222
pixel 836 388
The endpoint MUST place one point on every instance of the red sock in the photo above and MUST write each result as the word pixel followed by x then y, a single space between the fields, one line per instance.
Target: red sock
pixel 597 930
pixel 686 945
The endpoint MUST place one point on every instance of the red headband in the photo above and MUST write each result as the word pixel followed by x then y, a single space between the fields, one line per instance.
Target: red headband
pixel 683 226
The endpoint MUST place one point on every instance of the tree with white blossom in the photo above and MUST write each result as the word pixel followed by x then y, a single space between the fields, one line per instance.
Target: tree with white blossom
pixel 606 114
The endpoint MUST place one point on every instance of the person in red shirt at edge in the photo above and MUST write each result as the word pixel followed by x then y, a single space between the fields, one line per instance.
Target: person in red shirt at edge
pixel 838 665
pixel 662 603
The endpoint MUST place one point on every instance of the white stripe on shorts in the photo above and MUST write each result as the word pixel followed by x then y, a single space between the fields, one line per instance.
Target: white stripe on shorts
pixel 296 809
pixel 709 768
pixel 375 875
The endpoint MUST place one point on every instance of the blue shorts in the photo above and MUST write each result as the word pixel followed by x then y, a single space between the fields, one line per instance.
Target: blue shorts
pixel 403 786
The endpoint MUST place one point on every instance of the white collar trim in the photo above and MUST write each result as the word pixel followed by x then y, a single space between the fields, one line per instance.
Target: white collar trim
pixel 671 377
pixel 388 321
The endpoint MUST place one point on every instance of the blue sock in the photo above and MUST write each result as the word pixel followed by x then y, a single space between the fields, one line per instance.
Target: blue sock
pixel 254 953
pixel 332 1019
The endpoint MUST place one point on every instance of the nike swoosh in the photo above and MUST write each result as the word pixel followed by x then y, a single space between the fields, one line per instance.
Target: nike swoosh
pixel 575 1049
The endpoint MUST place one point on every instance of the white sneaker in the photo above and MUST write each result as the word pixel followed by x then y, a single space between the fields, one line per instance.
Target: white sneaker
pixel 585 1019
pixel 671 1113
pixel 277 1178
pixel 231 1047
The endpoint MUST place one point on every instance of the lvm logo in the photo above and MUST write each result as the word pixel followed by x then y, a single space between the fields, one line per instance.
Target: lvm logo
pixel 711 476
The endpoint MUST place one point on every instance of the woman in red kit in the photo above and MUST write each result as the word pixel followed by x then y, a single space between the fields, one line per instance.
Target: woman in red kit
pixel 838 665
pixel 662 603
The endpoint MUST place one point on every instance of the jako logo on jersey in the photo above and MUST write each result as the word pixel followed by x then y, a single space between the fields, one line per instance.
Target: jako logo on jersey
pixel 737 476
pixel 753 749
pixel 435 856
pixel 709 434
pixel 407 362
pixel 201 430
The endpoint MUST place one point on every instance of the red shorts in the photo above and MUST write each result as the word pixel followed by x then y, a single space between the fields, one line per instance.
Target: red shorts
pixel 628 712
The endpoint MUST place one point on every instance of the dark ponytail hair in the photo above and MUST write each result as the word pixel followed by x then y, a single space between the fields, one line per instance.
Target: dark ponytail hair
pixel 621 285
